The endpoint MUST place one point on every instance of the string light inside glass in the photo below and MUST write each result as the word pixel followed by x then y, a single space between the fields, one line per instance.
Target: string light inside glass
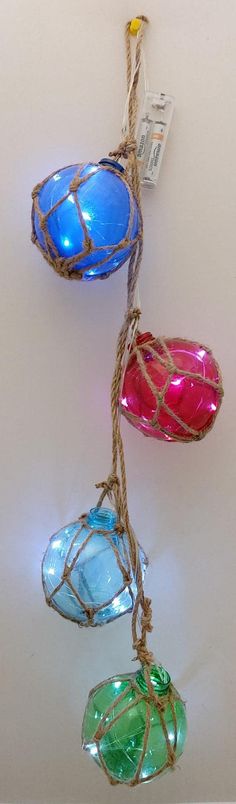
pixel 86 570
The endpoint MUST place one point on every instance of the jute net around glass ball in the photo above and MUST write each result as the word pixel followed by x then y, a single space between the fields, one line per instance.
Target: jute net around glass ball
pixel 158 729
pixel 89 550
pixel 149 410
pixel 65 266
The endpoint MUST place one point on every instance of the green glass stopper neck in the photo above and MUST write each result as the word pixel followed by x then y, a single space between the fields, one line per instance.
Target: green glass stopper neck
pixel 159 677
pixel 102 518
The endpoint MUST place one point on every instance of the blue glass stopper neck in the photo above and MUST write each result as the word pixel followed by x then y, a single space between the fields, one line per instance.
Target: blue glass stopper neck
pixel 102 518
pixel 112 163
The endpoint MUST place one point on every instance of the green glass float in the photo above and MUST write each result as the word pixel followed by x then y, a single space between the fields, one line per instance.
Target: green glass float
pixel 133 735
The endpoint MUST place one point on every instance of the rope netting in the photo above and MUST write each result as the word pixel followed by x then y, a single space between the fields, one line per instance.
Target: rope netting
pixel 116 711
pixel 73 559
pixel 65 266
pixel 157 349
pixel 126 150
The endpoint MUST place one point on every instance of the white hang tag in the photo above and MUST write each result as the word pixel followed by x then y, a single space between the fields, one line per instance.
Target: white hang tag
pixel 152 134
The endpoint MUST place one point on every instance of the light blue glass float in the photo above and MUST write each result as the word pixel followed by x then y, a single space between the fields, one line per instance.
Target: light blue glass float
pixel 82 578
pixel 109 212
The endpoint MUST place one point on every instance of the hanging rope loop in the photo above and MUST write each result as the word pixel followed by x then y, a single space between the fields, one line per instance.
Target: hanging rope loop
pixel 127 147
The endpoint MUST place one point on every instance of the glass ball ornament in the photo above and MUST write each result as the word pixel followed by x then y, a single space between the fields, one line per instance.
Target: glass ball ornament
pixel 86 571
pixel 172 388
pixel 85 219
pixel 128 733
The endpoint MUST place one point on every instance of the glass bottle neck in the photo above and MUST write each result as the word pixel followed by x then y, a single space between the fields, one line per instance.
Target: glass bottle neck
pixel 102 518
pixel 144 337
pixel 159 677
pixel 112 163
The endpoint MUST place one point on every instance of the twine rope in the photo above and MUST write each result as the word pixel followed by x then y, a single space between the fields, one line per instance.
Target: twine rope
pixel 115 487
pixel 152 347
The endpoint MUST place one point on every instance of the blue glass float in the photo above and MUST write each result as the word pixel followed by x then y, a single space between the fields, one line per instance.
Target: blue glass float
pixel 81 216
pixel 81 575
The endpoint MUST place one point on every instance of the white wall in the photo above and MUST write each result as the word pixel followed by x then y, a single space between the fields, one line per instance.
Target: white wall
pixel 62 93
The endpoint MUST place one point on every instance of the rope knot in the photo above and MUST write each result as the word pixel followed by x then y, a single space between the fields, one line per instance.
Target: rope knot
pixel 74 184
pixel 124 149
pixel 108 484
pixel 144 656
pixel 126 577
pixel 133 315
pixel 61 268
pixel 43 223
pixel 119 529
pixel 146 617
pixel 35 190
pixel 88 244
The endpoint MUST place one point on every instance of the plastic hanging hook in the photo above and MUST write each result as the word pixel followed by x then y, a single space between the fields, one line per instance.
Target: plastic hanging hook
pixel 135 26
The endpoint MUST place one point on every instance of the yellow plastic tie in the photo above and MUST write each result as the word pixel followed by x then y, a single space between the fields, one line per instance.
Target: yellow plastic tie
pixel 135 26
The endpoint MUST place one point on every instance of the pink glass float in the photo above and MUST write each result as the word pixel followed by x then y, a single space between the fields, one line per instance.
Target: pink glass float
pixel 172 388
